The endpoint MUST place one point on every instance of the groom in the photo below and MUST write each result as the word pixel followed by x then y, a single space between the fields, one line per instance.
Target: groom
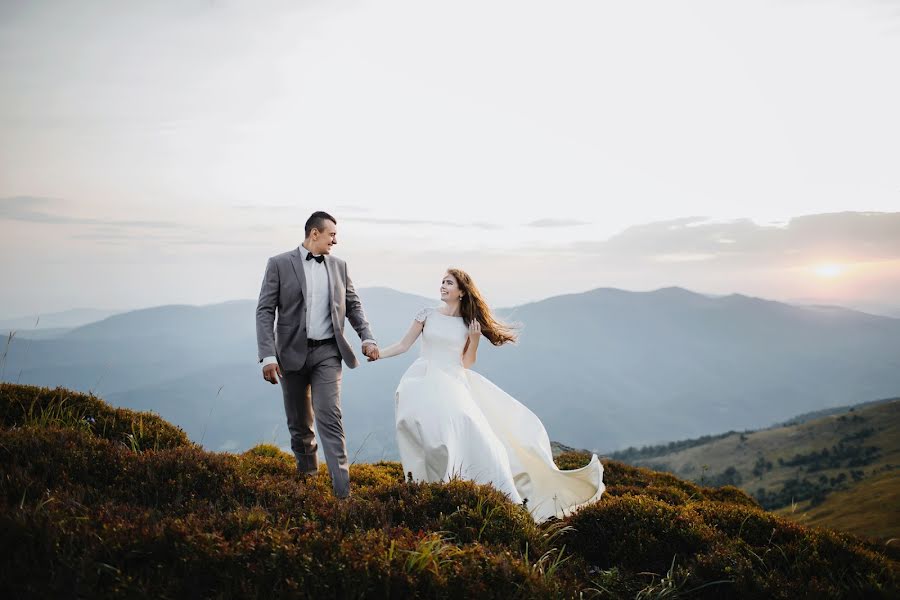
pixel 313 295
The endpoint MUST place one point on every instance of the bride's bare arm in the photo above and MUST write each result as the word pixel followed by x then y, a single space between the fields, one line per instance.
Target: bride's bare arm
pixel 403 345
pixel 471 349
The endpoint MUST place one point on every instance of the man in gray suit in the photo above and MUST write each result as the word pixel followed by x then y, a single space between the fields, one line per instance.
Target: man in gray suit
pixel 312 294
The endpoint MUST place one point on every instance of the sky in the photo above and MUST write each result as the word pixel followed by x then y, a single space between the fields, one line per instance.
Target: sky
pixel 158 152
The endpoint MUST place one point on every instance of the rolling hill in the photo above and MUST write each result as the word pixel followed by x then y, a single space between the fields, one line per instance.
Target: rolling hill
pixel 868 508
pixel 840 470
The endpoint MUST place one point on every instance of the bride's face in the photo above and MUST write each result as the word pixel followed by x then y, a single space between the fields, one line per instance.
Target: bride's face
pixel 450 289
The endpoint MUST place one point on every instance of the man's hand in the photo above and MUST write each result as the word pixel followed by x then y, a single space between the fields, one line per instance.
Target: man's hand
pixel 272 373
pixel 371 352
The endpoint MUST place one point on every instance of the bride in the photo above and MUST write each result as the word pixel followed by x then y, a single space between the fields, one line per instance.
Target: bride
pixel 451 421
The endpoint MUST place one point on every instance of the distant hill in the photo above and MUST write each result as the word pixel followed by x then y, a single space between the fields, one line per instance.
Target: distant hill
pixel 874 308
pixel 98 502
pixel 28 326
pixel 32 334
pixel 604 369
pixel 817 414
pixel 821 470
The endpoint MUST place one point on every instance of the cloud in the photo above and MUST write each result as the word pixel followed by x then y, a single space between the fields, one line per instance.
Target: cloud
pixel 116 232
pixel 670 258
pixel 844 236
pixel 556 223
pixel 121 237
pixel 392 221
pixel 263 207
pixel 34 209
pixel 105 236
pixel 337 211
pixel 352 208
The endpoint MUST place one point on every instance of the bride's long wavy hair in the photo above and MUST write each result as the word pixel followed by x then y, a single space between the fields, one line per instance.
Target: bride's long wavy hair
pixel 473 307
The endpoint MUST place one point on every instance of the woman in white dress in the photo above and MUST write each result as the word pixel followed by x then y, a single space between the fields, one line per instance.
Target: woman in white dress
pixel 451 421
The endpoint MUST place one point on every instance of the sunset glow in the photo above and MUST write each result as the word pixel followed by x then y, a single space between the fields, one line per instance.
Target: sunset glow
pixel 829 270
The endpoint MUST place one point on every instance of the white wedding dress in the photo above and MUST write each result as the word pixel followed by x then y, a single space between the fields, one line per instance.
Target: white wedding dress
pixel 453 422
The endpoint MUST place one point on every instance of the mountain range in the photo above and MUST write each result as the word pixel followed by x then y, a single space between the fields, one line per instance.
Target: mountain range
pixel 603 369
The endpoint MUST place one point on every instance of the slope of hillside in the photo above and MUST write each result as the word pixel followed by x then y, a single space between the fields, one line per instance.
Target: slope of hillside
pixel 807 469
pixel 869 508
pixel 108 503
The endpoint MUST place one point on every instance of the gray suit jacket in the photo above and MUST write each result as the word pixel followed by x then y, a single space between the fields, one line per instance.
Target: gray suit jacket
pixel 284 289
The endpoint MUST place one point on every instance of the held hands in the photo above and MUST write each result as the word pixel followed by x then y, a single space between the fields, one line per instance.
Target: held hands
pixel 272 373
pixel 474 329
pixel 371 351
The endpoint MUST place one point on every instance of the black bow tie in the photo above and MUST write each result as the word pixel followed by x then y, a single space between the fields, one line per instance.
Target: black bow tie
pixel 319 258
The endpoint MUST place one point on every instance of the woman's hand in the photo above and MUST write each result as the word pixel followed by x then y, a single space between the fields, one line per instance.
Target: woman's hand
pixel 474 329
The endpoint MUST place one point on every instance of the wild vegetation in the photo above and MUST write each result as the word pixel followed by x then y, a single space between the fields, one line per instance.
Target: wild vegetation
pixel 105 502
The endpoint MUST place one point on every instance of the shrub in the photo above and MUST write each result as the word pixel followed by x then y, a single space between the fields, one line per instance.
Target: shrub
pixel 271 451
pixel 491 519
pixel 774 557
pixel 637 533
pixel 731 495
pixel 668 495
pixel 377 475
pixel 468 511
pixel 22 405
pixel 572 460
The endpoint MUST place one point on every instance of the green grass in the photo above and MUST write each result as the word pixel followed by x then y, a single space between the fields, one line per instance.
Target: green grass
pixel 772 454
pixel 870 508
pixel 109 503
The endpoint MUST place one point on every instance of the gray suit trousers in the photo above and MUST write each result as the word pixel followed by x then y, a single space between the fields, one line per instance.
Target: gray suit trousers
pixel 313 394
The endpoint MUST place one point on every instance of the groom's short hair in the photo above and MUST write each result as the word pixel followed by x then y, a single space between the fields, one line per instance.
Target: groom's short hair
pixel 317 221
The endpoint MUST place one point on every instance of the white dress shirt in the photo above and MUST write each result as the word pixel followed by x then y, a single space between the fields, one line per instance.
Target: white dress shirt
pixel 318 302
pixel 318 298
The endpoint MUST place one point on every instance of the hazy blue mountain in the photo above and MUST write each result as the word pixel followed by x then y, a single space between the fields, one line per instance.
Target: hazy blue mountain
pixel 603 369
pixel 30 325
pixel 33 334
pixel 641 365
pixel 884 309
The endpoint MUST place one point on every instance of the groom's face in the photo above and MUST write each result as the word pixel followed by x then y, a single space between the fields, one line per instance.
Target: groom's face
pixel 324 239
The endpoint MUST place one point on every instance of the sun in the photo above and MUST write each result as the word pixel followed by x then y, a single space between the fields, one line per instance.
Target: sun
pixel 829 270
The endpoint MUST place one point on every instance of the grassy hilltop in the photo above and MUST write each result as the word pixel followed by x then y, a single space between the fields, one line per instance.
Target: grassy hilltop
pixel 104 502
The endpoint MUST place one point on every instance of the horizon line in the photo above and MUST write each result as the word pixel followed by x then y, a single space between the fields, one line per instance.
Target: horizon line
pixel 119 311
